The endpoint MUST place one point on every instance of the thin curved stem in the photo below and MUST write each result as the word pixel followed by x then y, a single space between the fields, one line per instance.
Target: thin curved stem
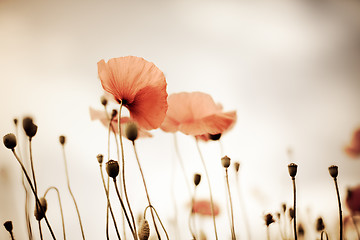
pixel 231 206
pixel 322 234
pixel 354 223
pixel 123 171
pixel 72 195
pixel 192 231
pixel 294 187
pixel 340 211
pixel 146 190
pixel 40 231
pixel 157 215
pixel 61 210
pixel 33 190
pixel 267 233
pixel 242 204
pixel 208 180
pixel 109 205
pixel 107 202
pixel 12 235
pixel 123 207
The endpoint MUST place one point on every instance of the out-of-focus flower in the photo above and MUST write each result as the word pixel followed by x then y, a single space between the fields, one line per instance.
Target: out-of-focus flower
pixel 203 207
pixel 353 148
pixel 101 116
pixel 353 199
pixel 268 219
pixel 139 85
pixel 195 114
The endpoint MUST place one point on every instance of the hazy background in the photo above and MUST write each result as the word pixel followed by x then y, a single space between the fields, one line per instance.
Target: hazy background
pixel 289 68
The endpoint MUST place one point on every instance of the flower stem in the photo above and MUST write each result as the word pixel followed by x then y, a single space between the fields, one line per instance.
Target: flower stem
pixel 324 233
pixel 340 211
pixel 33 190
pixel 191 216
pixel 108 206
pixel 356 229
pixel 294 187
pixel 233 236
pixel 72 195
pixel 267 232
pixel 242 204
pixel 40 232
pixel 157 215
pixel 123 172
pixel 208 180
pixel 61 210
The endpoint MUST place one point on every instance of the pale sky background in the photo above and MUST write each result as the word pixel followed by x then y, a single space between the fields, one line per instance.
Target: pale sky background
pixel 289 68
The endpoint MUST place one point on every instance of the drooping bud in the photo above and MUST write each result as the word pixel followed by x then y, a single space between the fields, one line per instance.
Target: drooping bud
pixel 100 158
pixel 333 170
pixel 237 166
pixel 62 139
pixel 291 213
pixel 268 219
pixel 112 168
pixel 225 161
pixel 114 113
pixel 292 170
pixel 8 226
pixel 215 137
pixel 103 101
pixel 144 230
pixel 197 179
pixel 10 141
pixel 320 226
pixel 39 213
pixel 131 131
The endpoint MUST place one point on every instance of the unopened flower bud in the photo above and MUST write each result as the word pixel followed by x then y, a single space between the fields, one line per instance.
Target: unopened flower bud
pixel 215 137
pixel 15 121
pixel 8 226
pixel 236 166
pixel 112 168
pixel 103 100
pixel 283 206
pixel 131 131
pixel 144 230
pixel 225 161
pixel 268 219
pixel 114 113
pixel 301 230
pixel 100 158
pixel 291 213
pixel 333 170
pixel 27 122
pixel 292 169
pixel 62 139
pixel 320 224
pixel 29 127
pixel 197 179
pixel 9 141
pixel 39 212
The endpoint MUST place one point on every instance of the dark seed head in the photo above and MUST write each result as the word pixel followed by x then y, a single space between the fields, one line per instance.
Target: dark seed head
pixel 291 213
pixel 268 219
pixel 9 141
pixel 320 224
pixel 225 161
pixel 236 166
pixel 131 131
pixel 144 230
pixel 301 230
pixel 29 127
pixel 100 158
pixel 103 100
pixel 112 168
pixel 15 121
pixel 39 213
pixel 215 137
pixel 8 226
pixel 292 169
pixel 114 113
pixel 197 179
pixel 333 170
pixel 283 207
pixel 62 139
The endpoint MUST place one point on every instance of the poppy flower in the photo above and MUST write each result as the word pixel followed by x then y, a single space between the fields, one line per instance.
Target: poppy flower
pixel 203 207
pixel 196 113
pixel 139 85
pixel 353 149
pixel 353 199
pixel 101 115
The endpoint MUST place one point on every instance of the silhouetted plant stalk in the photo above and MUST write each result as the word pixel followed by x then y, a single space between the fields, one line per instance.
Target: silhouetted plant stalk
pixel 354 223
pixel 268 221
pixel 158 217
pixel 9 227
pixel 333 170
pixel 123 171
pixel 208 180
pixel 225 161
pixel 108 206
pixel 292 172
pixel 62 140
pixel 60 206
pixel 197 180
pixel 324 233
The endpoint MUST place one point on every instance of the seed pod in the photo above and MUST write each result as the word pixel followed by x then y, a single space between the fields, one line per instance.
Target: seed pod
pixel 236 166
pixel 225 161
pixel 283 206
pixel 333 170
pixel 62 139
pixel 29 127
pixel 131 131
pixel 103 100
pixel 292 169
pixel 114 113
pixel 10 141
pixel 301 230
pixel 320 226
pixel 100 158
pixel 144 230
pixel 291 213
pixel 268 219
pixel 197 179
pixel 112 168
pixel 8 226
pixel 215 137
pixel 38 213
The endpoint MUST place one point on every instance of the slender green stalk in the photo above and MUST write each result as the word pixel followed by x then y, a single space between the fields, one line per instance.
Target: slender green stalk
pixel 33 190
pixel 123 171
pixel 60 206
pixel 208 180
pixel 72 195
pixel 294 187
pixel 157 215
pixel 146 190
pixel 231 205
pixel 340 211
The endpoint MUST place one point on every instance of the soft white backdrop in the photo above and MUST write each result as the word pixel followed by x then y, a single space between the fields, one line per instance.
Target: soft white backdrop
pixel 290 69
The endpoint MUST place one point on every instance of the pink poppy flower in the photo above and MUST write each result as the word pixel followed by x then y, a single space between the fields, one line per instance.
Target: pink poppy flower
pixel 353 149
pixel 139 85
pixel 195 114
pixel 101 116
pixel 353 199
pixel 203 207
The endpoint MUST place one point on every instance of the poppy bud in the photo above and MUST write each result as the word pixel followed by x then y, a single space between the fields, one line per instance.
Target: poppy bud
pixel 15 121
pixel 38 213
pixel 131 131
pixel 144 230
pixel 278 215
pixel 103 100
pixel 291 213
pixel 283 206
pixel 62 139
pixel 225 161
pixel 320 224
pixel 268 219
pixel 27 121
pixel 114 113
pixel 215 137
pixel 236 166
pixel 292 170
pixel 333 170
pixel 112 168
pixel 8 226
pixel 29 127
pixel 100 158
pixel 9 141
pixel 301 230
pixel 197 179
